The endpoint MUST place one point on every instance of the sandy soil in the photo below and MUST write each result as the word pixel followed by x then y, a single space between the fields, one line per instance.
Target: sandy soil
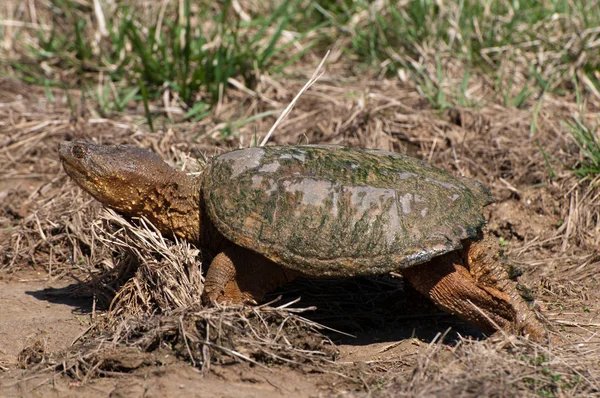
pixel 33 311
pixel 177 379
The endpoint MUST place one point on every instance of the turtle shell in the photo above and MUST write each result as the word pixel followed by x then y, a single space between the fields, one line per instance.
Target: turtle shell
pixel 338 211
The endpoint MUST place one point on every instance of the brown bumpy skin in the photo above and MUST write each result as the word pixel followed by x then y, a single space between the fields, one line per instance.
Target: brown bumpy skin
pixel 240 276
pixel 136 183
pixel 475 286
pixel 472 283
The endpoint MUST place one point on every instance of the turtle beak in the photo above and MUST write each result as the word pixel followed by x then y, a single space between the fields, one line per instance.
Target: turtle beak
pixel 66 157
pixel 77 164
pixel 70 151
pixel 73 156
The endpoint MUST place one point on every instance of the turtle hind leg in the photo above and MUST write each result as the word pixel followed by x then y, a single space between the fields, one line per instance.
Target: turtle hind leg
pixel 240 276
pixel 449 285
pixel 477 289
pixel 488 270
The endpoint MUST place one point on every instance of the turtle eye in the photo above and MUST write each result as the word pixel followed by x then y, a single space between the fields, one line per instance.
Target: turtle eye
pixel 79 151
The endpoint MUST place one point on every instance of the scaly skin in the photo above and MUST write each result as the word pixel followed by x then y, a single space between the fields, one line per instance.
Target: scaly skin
pixel 238 275
pixel 136 182
pixel 472 284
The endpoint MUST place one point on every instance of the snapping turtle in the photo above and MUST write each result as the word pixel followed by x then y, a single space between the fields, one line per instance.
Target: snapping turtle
pixel 270 214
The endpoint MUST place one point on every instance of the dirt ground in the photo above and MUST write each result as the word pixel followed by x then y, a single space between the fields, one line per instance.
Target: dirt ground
pixel 54 291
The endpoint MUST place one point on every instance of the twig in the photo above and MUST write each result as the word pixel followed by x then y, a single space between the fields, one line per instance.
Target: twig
pixel 237 354
pixel 315 76
pixel 498 328
pixel 186 341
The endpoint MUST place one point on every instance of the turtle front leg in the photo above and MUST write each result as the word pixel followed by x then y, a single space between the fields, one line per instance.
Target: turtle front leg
pixel 240 276
pixel 476 287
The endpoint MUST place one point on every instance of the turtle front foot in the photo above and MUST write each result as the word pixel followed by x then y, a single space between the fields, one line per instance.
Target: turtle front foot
pixel 228 294
pixel 240 276
pixel 222 283
pixel 476 287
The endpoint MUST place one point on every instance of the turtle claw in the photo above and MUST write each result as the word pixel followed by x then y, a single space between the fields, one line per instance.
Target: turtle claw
pixel 211 298
pixel 229 295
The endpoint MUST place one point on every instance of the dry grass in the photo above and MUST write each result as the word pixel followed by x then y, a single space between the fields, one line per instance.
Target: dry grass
pixel 547 216
pixel 204 337
pixel 167 275
pixel 500 368
pixel 156 287
pixel 58 229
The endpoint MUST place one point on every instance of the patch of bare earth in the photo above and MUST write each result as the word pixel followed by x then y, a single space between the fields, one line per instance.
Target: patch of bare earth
pixel 366 336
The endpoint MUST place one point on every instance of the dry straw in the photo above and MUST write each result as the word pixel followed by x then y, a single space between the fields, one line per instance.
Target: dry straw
pixel 160 306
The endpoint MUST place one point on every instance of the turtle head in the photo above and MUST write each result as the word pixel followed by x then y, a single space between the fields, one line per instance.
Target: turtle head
pixel 118 176
pixel 134 182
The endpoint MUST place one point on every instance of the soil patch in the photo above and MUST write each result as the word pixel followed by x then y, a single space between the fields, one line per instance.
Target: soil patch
pixel 38 313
